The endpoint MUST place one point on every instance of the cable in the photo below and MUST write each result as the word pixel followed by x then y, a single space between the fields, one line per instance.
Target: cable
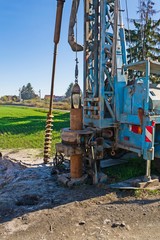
pixel 129 34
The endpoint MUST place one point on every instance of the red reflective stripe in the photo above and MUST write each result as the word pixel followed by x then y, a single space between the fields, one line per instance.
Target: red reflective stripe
pixel 149 134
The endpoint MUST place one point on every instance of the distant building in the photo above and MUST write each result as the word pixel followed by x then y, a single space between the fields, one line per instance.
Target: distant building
pixel 47 97
pixel 55 98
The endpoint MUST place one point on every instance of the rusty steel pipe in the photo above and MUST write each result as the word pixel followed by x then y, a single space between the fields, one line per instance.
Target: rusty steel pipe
pixel 48 132
pixel 57 31
pixel 76 119
pixel 76 165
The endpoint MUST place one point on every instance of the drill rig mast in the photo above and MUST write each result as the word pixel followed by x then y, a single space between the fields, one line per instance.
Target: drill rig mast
pixel 104 56
pixel 117 113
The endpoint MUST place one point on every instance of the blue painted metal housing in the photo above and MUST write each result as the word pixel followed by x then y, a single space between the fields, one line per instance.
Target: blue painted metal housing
pixel 137 95
pixel 111 99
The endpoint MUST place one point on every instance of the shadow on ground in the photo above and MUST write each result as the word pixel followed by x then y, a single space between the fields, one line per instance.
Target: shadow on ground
pixel 31 124
pixel 25 189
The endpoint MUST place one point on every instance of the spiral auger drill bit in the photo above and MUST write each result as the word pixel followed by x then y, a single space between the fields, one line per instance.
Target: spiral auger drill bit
pixel 48 138
pixel 49 121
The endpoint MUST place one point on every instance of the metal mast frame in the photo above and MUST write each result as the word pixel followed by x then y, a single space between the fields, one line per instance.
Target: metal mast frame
pixel 98 83
pixel 102 57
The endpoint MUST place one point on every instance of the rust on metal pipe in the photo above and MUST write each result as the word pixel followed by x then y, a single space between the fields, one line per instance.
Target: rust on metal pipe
pixel 141 115
pixel 76 166
pixel 76 118
pixel 58 21
pixel 76 160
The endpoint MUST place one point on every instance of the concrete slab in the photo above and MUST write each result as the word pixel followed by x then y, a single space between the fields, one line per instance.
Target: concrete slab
pixel 137 183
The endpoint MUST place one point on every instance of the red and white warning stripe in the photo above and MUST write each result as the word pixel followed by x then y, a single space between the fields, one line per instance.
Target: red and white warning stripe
pixel 149 134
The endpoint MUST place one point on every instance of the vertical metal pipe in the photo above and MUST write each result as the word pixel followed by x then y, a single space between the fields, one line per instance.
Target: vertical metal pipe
pixel 96 48
pixel 58 21
pixel 52 80
pixel 56 41
pixel 148 170
pixel 95 178
pixel 115 38
pixel 76 164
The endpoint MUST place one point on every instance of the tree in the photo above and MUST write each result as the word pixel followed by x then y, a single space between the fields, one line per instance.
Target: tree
pixel 27 92
pixel 144 39
pixel 69 89
pixel 14 98
pixel 146 9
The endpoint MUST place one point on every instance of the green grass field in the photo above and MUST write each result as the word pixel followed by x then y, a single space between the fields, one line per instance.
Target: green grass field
pixel 22 127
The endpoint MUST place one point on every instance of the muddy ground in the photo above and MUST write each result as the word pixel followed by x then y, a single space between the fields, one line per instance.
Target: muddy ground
pixel 34 206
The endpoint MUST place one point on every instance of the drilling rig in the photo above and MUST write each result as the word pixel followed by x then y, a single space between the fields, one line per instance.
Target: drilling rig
pixel 120 112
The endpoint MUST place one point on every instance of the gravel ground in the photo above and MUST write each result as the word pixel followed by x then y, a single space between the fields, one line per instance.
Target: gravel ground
pixel 34 206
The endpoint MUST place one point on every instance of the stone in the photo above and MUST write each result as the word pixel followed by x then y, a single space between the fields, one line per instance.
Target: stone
pixel 82 222
pixel 128 227
pixel 106 221
pixel 118 224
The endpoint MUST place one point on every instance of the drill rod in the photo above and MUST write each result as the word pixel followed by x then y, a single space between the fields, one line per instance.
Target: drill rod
pixel 56 41
pixel 48 133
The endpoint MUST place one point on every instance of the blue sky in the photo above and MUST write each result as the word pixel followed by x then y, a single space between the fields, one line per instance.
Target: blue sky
pixel 26 45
